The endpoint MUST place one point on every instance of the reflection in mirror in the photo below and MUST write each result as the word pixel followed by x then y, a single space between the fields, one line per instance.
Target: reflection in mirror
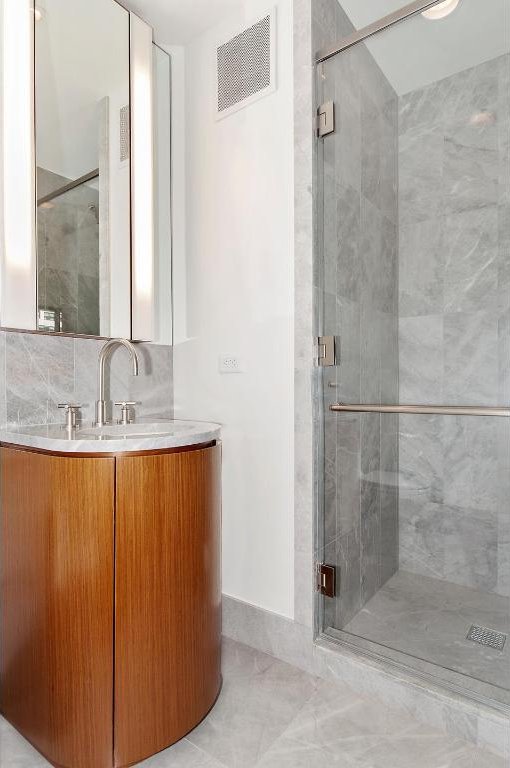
pixel 82 159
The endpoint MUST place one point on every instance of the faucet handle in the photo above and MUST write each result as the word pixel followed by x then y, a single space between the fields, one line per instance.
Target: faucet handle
pixel 125 406
pixel 71 410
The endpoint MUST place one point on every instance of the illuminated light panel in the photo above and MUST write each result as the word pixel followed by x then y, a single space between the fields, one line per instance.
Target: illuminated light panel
pixel 18 259
pixel 142 178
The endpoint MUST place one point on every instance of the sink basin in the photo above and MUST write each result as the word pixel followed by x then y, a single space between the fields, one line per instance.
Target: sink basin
pixel 134 431
pixel 145 435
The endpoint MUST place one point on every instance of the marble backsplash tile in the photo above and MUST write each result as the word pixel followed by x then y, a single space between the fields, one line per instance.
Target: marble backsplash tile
pixel 37 372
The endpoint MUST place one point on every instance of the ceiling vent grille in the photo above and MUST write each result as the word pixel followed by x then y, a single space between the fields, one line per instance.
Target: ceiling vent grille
pixel 245 66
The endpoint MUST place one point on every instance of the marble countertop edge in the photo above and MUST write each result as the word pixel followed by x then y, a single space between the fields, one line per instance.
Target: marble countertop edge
pixel 86 440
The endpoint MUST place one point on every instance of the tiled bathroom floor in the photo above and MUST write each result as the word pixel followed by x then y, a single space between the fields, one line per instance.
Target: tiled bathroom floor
pixel 430 618
pixel 272 715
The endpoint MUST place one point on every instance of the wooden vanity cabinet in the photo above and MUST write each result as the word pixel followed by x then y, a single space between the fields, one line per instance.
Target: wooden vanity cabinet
pixel 110 600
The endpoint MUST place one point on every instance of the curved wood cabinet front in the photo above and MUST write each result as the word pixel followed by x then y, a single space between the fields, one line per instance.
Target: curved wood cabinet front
pixel 168 599
pixel 110 601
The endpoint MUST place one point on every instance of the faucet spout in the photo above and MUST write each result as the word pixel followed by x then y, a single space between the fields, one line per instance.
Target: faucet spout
pixel 104 355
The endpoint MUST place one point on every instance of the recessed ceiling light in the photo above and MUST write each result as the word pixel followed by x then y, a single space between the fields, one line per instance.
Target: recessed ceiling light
pixel 441 10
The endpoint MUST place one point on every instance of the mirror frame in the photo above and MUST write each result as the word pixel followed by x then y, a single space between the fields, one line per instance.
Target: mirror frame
pixel 18 251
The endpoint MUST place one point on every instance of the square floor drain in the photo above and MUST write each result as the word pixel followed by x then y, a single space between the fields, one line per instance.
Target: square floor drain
pixel 486 636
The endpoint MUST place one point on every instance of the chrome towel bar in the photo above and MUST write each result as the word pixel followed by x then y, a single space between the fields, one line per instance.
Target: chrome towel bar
pixel 444 410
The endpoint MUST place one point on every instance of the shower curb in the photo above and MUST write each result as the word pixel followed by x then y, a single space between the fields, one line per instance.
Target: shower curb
pixel 487 728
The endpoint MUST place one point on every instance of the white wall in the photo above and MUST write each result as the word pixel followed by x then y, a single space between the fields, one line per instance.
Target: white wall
pixel 238 299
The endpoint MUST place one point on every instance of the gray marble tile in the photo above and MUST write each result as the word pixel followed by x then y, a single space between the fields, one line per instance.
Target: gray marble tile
pixel 370 353
pixel 389 343
pixel 182 755
pixel 344 25
pixel 337 728
pixel 421 359
pixel 16 752
pixel 348 378
pixel 455 99
pixel 503 585
pixel 348 223
pixel 421 466
pixel 454 543
pixel 345 553
pixel 470 349
pixel 323 24
pixel 421 152
pixel 429 619
pixel 378 259
pixel 389 498
pixel 378 154
pixel 470 459
pixel 370 552
pixel 421 268
pixel 39 376
pixel 259 698
pixel 424 748
pixel 470 176
pixel 348 472
pixel 504 256
pixel 346 143
pixel 471 261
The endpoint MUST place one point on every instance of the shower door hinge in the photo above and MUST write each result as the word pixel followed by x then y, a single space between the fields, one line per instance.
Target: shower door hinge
pixel 327 350
pixel 326 579
pixel 325 120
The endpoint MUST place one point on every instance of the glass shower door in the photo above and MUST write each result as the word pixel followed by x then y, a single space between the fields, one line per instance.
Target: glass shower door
pixel 414 255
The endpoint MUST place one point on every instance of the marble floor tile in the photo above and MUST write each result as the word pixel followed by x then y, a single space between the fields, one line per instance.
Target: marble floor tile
pixel 272 715
pixel 16 752
pixel 182 755
pixel 260 697
pixel 340 728
pixel 429 619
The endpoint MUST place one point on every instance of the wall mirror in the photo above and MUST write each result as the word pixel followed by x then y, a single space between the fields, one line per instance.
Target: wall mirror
pixel 82 165
pixel 85 208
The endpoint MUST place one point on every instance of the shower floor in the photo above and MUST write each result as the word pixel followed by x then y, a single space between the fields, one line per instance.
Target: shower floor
pixel 429 619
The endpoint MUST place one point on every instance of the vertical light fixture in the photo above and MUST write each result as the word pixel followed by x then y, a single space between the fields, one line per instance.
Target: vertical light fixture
pixel 18 300
pixel 142 181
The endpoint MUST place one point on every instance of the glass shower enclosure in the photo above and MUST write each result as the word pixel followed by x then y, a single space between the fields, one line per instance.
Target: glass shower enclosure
pixel 413 278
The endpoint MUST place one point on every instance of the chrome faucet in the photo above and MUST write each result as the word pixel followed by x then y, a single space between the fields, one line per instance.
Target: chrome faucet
pixel 104 355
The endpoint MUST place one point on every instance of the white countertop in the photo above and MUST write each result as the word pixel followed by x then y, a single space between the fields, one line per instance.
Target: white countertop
pixel 144 435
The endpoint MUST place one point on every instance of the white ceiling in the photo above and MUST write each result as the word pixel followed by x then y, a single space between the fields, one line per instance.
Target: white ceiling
pixel 177 21
pixel 418 52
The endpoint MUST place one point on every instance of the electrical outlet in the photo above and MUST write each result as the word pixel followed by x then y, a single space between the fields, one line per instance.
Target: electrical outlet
pixel 230 364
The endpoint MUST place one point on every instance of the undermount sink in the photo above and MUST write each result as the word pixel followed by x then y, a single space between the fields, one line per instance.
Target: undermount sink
pixel 134 431
pixel 159 434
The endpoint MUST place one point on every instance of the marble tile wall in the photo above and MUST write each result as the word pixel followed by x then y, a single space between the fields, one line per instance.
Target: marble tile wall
pixel 360 293
pixel 37 372
pixel 454 325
